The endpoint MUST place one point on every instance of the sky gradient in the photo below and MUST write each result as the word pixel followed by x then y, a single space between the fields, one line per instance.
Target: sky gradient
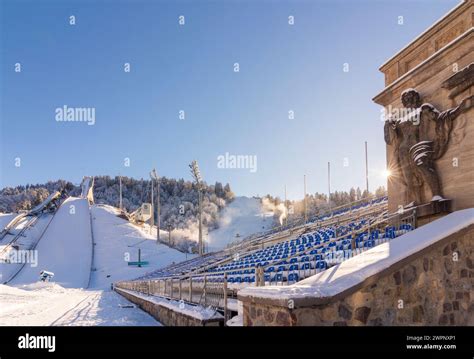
pixel 191 68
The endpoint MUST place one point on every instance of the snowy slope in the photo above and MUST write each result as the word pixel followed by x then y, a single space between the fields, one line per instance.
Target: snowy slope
pixel 65 248
pixel 242 217
pixel 117 241
pixel 25 242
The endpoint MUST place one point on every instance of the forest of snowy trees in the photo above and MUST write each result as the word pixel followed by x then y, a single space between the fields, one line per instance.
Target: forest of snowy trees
pixel 178 198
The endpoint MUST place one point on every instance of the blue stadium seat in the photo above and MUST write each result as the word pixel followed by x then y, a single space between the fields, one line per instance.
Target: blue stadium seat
pixel 270 269
pixel 293 277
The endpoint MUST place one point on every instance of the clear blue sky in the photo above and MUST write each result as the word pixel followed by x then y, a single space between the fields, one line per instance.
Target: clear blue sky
pixel 190 68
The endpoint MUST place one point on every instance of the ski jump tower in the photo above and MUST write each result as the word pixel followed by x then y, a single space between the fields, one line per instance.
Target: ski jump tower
pixel 87 187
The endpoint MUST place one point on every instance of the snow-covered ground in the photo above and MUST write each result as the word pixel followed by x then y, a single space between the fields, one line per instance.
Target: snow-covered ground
pixel 65 248
pixel 50 304
pixel 86 260
pixel 70 249
pixel 27 241
pixel 118 241
pixel 242 217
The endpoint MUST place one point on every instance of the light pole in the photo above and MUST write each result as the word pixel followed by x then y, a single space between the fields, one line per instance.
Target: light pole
pixel 120 181
pixel 329 185
pixel 366 169
pixel 152 218
pixel 305 204
pixel 196 173
pixel 154 176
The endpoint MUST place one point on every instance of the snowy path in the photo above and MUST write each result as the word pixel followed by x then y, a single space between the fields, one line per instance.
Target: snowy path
pixel 65 248
pixel 47 304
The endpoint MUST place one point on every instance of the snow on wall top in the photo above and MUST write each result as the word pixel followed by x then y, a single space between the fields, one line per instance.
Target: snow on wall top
pixel 354 271
pixel 195 311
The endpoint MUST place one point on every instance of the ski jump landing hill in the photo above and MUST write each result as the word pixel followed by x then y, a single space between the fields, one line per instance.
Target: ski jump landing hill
pixel 83 244
pixel 65 248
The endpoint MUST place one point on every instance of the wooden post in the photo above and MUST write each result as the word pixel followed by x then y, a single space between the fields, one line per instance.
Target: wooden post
pixel 261 277
pixel 225 299
pixel 191 289
pixel 415 219
pixel 204 290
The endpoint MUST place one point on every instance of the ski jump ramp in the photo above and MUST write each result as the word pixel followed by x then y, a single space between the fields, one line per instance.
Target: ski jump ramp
pixel 87 189
pixel 51 200
pixel 65 248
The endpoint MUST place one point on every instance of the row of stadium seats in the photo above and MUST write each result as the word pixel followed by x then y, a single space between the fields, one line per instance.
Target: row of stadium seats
pixel 284 261
pixel 308 251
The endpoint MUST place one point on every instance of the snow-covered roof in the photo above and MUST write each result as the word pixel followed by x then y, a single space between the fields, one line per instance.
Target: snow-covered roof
pixel 353 272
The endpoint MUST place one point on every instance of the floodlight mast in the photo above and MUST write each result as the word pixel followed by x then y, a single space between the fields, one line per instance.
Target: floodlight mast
pixel 196 173
pixel 154 176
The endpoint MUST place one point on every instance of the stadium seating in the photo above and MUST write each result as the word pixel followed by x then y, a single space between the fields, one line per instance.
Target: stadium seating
pixel 292 259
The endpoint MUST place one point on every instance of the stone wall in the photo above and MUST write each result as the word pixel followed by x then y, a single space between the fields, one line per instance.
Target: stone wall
pixel 439 35
pixel 434 288
pixel 167 316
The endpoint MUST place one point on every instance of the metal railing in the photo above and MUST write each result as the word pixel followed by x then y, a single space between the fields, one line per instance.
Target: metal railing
pixel 195 290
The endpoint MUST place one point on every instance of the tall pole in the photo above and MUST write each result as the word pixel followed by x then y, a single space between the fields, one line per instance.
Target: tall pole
pixel 196 173
pixel 201 249
pixel 305 204
pixel 329 184
pixel 158 220
pixel 286 209
pixel 366 169
pixel 152 219
pixel 120 182
pixel 154 176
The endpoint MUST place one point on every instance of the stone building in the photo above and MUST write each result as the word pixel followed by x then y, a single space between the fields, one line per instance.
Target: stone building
pixel 439 65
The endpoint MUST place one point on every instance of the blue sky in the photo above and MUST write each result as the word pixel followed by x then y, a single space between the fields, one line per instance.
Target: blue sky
pixel 190 68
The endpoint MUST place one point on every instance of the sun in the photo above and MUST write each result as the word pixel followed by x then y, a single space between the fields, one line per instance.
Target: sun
pixel 386 173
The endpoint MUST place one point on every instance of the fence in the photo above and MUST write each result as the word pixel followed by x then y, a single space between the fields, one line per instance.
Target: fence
pixel 199 289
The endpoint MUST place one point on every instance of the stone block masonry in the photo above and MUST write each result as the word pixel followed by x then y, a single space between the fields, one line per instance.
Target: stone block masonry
pixel 172 313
